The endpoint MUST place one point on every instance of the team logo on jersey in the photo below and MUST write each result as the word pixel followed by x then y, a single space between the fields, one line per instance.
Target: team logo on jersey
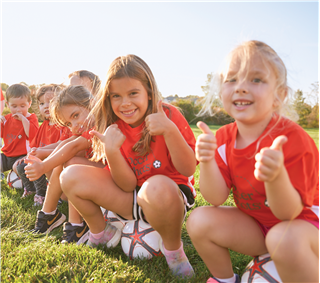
pixel 19 137
pixel 156 164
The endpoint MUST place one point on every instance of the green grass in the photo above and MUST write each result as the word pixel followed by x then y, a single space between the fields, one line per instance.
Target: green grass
pixel 32 258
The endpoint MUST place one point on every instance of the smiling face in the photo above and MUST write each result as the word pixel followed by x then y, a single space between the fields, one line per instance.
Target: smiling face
pixel 249 95
pixel 75 118
pixel 44 103
pixel 19 105
pixel 129 100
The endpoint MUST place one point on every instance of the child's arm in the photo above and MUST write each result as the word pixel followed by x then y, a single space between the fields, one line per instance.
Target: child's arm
pixel 270 169
pixel 25 122
pixel 121 172
pixel 212 184
pixel 181 153
pixel 37 168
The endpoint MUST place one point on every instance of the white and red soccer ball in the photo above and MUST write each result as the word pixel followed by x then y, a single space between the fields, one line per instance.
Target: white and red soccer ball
pixel 140 240
pixel 14 181
pixel 261 269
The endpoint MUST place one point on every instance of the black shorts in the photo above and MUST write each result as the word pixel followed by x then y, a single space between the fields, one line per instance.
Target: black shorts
pixel 137 212
pixel 8 161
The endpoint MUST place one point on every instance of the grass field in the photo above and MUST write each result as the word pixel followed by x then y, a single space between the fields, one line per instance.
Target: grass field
pixel 32 258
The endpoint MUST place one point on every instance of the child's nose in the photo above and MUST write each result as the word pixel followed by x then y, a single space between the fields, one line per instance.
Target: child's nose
pixel 242 88
pixel 126 102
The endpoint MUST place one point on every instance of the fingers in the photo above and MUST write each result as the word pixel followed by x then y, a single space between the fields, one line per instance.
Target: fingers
pixel 159 107
pixel 204 127
pixel 97 134
pixel 279 142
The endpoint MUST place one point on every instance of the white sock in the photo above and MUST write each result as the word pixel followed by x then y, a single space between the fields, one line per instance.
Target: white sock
pixel 77 224
pixel 228 280
pixel 50 213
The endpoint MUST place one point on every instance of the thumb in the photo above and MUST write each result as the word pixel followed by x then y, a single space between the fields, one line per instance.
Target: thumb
pixel 204 127
pixel 279 142
pixel 97 134
pixel 159 107
pixel 31 159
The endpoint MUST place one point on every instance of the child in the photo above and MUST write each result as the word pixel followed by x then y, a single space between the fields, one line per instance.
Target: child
pixel 68 108
pixel 149 148
pixel 86 79
pixel 47 134
pixel 18 128
pixel 272 165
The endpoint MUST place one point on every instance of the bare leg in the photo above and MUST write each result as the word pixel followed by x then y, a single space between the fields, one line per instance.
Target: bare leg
pixel 215 229
pixel 88 188
pixel 53 191
pixel 294 248
pixel 74 216
pixel 162 204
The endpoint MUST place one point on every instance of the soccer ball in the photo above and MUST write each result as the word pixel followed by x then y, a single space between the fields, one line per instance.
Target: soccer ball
pixel 140 240
pixel 13 180
pixel 261 269
pixel 114 220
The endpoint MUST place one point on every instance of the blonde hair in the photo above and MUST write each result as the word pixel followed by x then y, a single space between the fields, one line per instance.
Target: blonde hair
pixel 130 66
pixel 244 53
pixel 95 80
pixel 71 95
pixel 18 90
pixel 49 87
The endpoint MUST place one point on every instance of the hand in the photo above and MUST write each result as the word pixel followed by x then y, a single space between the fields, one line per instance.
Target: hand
pixel 270 161
pixel 18 116
pixel 33 151
pixel 112 138
pixel 206 144
pixel 158 123
pixel 2 118
pixel 35 168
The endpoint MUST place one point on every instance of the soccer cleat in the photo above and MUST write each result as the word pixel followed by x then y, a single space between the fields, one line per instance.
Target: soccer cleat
pixel 75 234
pixel 45 223
pixel 38 200
pixel 215 280
pixel 110 238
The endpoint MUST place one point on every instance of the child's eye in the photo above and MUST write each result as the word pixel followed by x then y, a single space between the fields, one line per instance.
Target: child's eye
pixel 41 104
pixel 114 96
pixel 230 80
pixel 256 80
pixel 133 93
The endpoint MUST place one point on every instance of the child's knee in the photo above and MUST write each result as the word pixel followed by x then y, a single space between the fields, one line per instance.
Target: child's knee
pixel 67 178
pixel 20 168
pixel 196 223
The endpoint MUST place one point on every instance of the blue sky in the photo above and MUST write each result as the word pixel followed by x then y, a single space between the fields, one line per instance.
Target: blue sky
pixel 42 42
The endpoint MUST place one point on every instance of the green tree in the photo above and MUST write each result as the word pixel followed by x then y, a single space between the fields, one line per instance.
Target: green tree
pixel 303 109
pixel 4 86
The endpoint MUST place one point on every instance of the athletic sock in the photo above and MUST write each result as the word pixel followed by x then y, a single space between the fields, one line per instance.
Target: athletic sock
pixel 178 262
pixel 227 280
pixel 49 213
pixel 107 233
pixel 77 224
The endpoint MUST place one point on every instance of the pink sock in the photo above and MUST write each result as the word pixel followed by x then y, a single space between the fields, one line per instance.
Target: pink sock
pixel 97 236
pixel 178 262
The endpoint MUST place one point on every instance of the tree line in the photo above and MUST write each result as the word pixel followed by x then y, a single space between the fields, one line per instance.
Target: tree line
pixel 191 106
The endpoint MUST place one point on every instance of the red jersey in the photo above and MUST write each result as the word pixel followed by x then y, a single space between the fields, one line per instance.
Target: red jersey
pixel 16 142
pixel 47 134
pixel 158 161
pixel 301 159
pixel 65 133
pixel 1 95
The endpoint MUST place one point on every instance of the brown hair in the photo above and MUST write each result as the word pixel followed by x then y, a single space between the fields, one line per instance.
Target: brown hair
pixel 71 95
pixel 95 80
pixel 49 87
pixel 18 90
pixel 133 67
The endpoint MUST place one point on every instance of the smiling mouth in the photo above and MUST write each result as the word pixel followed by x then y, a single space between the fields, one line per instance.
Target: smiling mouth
pixel 128 112
pixel 242 103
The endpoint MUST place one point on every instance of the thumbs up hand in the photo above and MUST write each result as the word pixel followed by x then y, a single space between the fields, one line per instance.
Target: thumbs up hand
pixel 35 169
pixel 270 161
pixel 158 123
pixel 206 144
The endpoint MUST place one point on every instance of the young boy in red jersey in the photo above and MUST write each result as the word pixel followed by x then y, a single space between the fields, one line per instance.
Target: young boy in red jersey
pixel 17 128
pixel 47 138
